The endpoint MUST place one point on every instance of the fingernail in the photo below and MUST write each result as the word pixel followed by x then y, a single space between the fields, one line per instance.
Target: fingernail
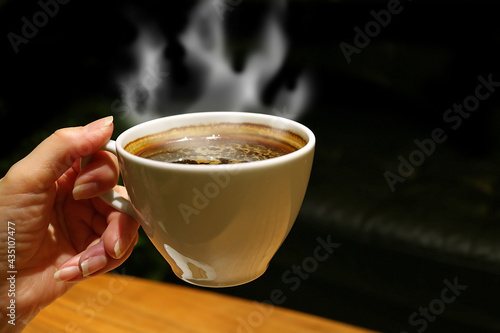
pixel 118 249
pixel 85 191
pixel 67 273
pixel 93 264
pixel 99 124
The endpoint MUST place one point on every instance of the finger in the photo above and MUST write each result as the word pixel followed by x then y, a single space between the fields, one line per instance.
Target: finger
pixel 102 207
pixel 109 251
pixel 70 270
pixel 120 234
pixel 84 224
pixel 115 245
pixel 93 259
pixel 96 259
pixel 98 177
pixel 121 229
pixel 56 154
pixel 91 262
pixel 121 190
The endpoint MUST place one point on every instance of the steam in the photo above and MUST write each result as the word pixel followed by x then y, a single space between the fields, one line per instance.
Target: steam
pixel 147 93
pixel 140 89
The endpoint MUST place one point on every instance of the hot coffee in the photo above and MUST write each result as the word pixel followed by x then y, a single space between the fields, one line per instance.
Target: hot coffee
pixel 216 225
pixel 214 150
pixel 224 143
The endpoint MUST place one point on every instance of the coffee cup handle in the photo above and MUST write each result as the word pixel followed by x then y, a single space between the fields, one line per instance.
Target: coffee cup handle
pixel 111 197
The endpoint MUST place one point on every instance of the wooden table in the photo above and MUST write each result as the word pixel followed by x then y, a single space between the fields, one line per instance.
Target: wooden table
pixel 117 303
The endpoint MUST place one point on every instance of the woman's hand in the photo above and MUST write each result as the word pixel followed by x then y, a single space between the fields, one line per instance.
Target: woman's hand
pixel 63 231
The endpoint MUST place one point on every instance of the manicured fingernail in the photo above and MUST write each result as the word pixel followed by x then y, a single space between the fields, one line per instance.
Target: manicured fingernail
pixel 93 264
pixel 67 273
pixel 118 249
pixel 99 124
pixel 85 191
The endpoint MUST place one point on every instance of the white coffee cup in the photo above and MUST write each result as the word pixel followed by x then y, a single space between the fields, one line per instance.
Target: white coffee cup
pixel 216 225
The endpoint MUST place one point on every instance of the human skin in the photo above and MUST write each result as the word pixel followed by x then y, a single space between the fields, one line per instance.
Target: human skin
pixel 64 233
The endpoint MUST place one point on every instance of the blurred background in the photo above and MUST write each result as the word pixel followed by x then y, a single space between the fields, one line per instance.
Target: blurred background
pixel 370 78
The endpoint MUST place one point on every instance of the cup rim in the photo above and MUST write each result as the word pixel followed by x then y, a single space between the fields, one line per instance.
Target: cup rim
pixel 141 130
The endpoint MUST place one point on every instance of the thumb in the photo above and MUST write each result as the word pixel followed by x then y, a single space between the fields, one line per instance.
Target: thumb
pixel 56 154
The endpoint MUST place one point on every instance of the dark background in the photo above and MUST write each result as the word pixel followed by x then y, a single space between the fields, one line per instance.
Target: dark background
pixel 397 248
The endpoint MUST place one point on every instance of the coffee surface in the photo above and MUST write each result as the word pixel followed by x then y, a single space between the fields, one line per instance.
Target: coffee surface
pixel 217 143
pixel 215 150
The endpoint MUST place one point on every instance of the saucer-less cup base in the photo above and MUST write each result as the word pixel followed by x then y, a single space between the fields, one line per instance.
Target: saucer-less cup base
pixel 216 225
